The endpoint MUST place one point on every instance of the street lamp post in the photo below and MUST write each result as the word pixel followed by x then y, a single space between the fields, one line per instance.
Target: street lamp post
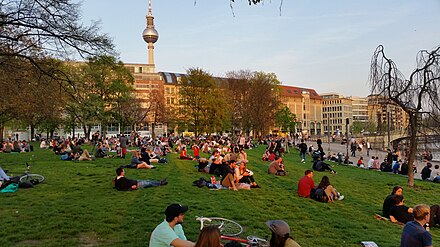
pixel 347 122
pixel 328 131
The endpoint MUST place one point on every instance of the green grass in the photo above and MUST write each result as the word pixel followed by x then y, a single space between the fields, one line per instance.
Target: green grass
pixel 77 205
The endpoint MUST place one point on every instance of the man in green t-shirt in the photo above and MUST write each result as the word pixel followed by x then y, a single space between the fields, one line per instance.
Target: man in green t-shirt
pixel 170 231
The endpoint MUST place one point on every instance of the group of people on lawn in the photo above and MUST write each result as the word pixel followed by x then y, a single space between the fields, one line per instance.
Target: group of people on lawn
pixel 417 219
pixel 15 146
pixel 170 232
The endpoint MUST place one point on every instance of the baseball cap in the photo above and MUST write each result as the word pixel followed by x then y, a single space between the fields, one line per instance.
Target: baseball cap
pixel 175 210
pixel 279 227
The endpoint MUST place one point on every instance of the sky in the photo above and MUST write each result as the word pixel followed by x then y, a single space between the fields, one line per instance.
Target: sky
pixel 319 44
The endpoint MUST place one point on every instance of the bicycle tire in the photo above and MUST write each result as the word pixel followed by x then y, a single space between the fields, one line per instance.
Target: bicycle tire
pixel 31 178
pixel 227 227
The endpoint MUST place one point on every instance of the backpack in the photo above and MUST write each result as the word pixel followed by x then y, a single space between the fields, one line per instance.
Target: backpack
pixel 65 157
pixel 319 195
pixel 11 188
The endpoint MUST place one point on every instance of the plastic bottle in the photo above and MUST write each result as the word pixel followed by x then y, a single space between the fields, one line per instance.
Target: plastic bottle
pixel 213 180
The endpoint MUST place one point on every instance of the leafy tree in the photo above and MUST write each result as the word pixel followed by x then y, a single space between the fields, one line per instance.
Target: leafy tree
pixel 201 102
pixel 262 102
pixel 286 119
pixel 418 95
pixel 237 92
pixel 357 127
pixel 98 91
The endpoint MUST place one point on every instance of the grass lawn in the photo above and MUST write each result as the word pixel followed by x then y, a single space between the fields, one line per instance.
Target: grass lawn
pixel 77 205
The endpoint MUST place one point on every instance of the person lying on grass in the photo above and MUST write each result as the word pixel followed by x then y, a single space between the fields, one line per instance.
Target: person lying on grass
pixel 123 184
pixel 3 177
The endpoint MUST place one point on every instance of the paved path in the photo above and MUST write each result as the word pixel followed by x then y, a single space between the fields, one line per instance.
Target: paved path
pixel 336 147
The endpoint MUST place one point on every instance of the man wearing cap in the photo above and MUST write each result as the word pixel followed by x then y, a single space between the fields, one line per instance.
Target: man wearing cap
pixel 170 231
pixel 281 234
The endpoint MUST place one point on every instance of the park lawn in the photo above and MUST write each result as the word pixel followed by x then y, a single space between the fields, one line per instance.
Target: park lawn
pixel 78 206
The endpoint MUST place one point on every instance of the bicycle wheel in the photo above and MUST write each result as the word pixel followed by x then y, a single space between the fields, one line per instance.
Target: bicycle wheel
pixel 227 227
pixel 32 178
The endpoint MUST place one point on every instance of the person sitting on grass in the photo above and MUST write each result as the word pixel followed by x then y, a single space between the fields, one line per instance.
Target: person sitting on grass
pixel 170 231
pixel 244 175
pixel 392 200
pixel 136 163
pixel 389 202
pixel 360 162
pixel 184 155
pixel 209 237
pixel 276 167
pixel 228 177
pixel 196 150
pixel 306 184
pixel 85 155
pixel 122 183
pixel 426 171
pixel 399 212
pixel 328 192
pixel 414 233
pixel 100 153
pixel 319 165
pixel 280 234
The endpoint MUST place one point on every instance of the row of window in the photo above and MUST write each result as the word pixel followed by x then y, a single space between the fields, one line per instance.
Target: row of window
pixel 331 115
pixel 333 108
pixel 332 102
pixel 332 121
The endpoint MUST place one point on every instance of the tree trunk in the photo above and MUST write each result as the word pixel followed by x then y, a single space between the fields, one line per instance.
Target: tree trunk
pixel 32 131
pixel 412 147
pixel 153 127
pixel 2 131
pixel 104 132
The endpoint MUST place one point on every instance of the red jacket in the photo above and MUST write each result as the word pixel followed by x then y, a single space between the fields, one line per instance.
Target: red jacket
pixel 304 185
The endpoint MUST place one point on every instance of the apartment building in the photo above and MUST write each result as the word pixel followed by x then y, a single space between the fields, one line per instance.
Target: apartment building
pixel 336 109
pixel 306 104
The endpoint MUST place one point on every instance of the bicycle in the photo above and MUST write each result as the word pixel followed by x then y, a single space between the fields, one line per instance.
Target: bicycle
pixel 31 178
pixel 230 230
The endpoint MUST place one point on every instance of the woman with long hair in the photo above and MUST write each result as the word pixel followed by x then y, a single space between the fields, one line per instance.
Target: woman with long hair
pixel 281 234
pixel 209 237
pixel 329 190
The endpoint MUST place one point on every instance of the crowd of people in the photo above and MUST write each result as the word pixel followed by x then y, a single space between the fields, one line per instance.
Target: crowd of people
pixel 228 162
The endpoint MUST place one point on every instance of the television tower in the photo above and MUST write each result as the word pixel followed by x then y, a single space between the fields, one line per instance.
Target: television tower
pixel 150 36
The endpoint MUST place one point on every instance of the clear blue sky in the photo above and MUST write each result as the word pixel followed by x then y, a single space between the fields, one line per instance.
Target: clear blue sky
pixel 319 44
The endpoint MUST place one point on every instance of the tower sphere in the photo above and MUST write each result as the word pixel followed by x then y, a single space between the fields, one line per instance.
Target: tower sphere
pixel 150 35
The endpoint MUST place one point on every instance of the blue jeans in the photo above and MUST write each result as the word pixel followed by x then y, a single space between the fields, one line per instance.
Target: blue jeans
pixel 302 155
pixel 147 183
pixel 3 175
